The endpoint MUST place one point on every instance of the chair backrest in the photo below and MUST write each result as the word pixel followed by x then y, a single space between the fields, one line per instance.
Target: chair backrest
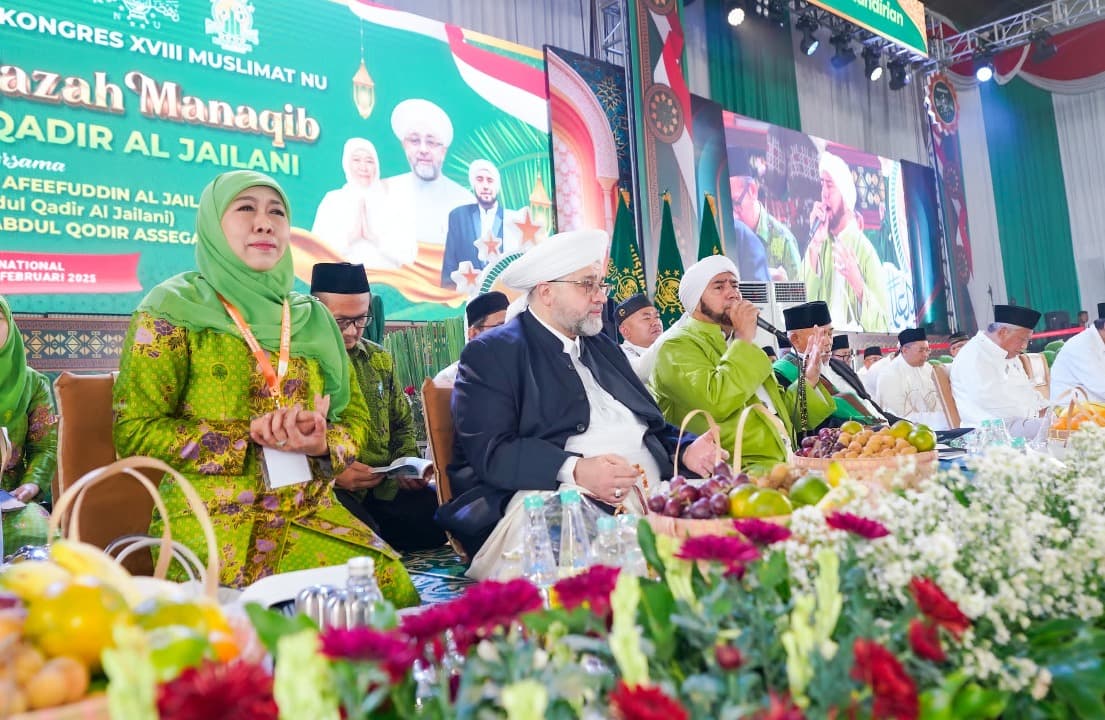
pixel 942 375
pixel 1038 371
pixel 437 409
pixel 113 508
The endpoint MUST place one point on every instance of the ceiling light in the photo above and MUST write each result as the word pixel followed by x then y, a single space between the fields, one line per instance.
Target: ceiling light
pixel 845 54
pixel 807 25
pixel 899 73
pixel 984 68
pixel 872 63
pixel 735 16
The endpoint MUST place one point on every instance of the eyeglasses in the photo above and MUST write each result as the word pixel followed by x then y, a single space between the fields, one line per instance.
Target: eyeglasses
pixel 589 286
pixel 358 322
pixel 428 141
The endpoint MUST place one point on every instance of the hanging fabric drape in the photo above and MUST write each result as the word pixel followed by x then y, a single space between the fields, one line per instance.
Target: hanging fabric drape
pixel 1030 197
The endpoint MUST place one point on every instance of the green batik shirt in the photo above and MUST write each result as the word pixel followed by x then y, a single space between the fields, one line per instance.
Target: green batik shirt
pixel 779 244
pixel 34 441
pixel 391 425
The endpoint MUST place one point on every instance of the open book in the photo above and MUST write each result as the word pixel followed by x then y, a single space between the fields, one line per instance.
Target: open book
pixel 405 467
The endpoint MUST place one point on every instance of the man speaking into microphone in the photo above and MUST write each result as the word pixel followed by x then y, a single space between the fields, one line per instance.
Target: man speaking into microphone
pixel 840 266
pixel 710 361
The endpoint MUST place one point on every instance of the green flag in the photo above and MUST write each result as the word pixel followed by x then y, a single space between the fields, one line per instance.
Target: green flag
pixel 709 242
pixel 625 273
pixel 669 269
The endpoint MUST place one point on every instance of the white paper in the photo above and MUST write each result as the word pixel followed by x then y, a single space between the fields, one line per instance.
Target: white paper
pixel 283 468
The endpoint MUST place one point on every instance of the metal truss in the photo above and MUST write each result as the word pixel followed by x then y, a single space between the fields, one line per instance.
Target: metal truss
pixel 608 30
pixel 1019 29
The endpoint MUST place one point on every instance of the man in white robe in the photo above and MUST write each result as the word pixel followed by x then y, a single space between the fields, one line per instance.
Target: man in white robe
pixel 1081 363
pixel 988 379
pixel 873 366
pixel 907 387
pixel 426 133
pixel 639 323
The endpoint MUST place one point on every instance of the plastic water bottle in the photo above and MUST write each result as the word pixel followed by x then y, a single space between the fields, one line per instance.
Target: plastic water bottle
pixel 538 563
pixel 608 545
pixel 356 605
pixel 575 545
pixel 633 560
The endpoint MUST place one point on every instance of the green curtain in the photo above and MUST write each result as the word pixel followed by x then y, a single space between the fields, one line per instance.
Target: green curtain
pixel 1030 197
pixel 421 350
pixel 752 67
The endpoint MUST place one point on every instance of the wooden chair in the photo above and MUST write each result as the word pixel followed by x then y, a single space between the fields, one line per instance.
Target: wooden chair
pixel 942 374
pixel 1038 371
pixel 115 507
pixel 437 409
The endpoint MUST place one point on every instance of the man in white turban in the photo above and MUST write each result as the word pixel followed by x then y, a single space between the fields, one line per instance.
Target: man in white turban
pixel 547 401
pixel 711 362
pixel 840 265
pixel 475 230
pixel 426 133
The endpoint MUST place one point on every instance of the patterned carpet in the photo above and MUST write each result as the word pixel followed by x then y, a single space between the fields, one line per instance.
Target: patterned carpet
pixel 438 574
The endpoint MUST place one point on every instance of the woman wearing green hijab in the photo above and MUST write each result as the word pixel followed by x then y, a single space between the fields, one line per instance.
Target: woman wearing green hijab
pixel 28 413
pixel 192 393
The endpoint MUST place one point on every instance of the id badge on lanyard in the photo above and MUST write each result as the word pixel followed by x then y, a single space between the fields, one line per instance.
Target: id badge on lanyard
pixel 279 468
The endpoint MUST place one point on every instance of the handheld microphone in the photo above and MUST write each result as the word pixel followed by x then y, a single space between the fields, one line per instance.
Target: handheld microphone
pixel 765 325
pixel 816 226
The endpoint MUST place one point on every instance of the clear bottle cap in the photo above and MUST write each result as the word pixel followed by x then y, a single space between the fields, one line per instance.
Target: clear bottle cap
pixel 569 496
pixel 607 523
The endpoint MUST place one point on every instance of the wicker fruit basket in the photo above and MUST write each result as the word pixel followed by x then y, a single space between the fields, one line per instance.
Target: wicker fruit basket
pixel 878 471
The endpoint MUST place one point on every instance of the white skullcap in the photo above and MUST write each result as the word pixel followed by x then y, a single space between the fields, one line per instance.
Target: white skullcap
pixel 557 256
pixel 698 276
pixel 418 115
pixel 484 165
pixel 841 174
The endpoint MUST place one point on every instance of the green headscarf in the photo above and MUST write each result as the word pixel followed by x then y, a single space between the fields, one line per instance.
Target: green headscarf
pixel 15 380
pixel 189 299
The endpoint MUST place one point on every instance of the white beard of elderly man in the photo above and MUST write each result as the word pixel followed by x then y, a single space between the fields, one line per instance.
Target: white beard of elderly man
pixel 548 401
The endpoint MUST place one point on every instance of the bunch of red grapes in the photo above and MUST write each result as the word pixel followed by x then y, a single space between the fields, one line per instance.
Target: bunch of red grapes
pixel 822 445
pixel 705 501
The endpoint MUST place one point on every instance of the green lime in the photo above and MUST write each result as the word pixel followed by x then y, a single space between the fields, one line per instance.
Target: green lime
pixel 901 429
pixel 851 427
pixel 738 499
pixel 923 439
pixel 767 502
pixel 809 490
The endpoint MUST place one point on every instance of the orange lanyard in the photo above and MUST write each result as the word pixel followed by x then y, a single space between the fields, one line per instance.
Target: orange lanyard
pixel 274 378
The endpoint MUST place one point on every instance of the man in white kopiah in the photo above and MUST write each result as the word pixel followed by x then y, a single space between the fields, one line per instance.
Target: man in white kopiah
pixel 483 312
pixel 426 133
pixel 988 379
pixel 1081 363
pixel 907 387
pixel 359 220
pixel 547 400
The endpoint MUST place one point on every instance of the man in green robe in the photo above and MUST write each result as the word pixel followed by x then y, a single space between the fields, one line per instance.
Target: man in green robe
pixel 841 266
pixel 400 510
pixel 780 246
pixel 711 362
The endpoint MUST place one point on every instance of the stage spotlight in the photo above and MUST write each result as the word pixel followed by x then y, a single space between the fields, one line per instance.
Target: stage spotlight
pixel 872 63
pixel 899 73
pixel 777 12
pixel 807 25
pixel 844 54
pixel 984 68
pixel 1043 47
pixel 735 16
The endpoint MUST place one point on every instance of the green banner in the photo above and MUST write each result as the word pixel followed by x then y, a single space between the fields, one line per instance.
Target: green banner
pixel 899 21
pixel 413 146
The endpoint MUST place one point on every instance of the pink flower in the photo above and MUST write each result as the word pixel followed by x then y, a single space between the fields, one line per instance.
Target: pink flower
pixel 409 390
pixel 392 650
pixel 733 552
pixel 479 611
pixel 591 588
pixel 760 531
pixel 865 528
pixel 215 691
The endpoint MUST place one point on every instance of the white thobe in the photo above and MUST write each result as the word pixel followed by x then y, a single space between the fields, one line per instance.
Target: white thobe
pixel 910 392
pixel 988 385
pixel 447 374
pixel 870 376
pixel 1080 363
pixel 635 353
pixel 613 429
pixel 432 201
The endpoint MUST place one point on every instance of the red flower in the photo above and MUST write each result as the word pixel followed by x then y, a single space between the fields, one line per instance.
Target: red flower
pixel 591 588
pixel 894 690
pixel 477 612
pixel 781 708
pixel 761 532
pixel 392 650
pixel 728 657
pixel 937 606
pixel 925 641
pixel 731 551
pixel 409 390
pixel 644 702
pixel 865 528
pixel 214 691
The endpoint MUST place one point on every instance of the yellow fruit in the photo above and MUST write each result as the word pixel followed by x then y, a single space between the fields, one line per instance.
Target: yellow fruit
pixel 12 699
pixel 77 619
pixel 77 677
pixel 48 688
pixel 923 439
pixel 809 490
pixel 901 429
pixel 738 500
pixel 26 663
pixel 11 624
pixel 851 427
pixel 84 559
pixel 31 578
pixel 766 502
pixel 835 473
pixel 224 645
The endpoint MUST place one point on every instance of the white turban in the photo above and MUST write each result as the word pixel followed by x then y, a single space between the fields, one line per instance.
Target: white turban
pixel 485 165
pixel 698 276
pixel 841 174
pixel 555 257
pixel 418 115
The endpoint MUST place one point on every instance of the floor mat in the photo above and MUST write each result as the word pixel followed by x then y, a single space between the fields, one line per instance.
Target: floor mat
pixel 437 574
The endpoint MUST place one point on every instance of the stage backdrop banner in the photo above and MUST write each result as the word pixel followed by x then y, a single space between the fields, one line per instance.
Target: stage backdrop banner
pixel 827 215
pixel 899 21
pixel 114 115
